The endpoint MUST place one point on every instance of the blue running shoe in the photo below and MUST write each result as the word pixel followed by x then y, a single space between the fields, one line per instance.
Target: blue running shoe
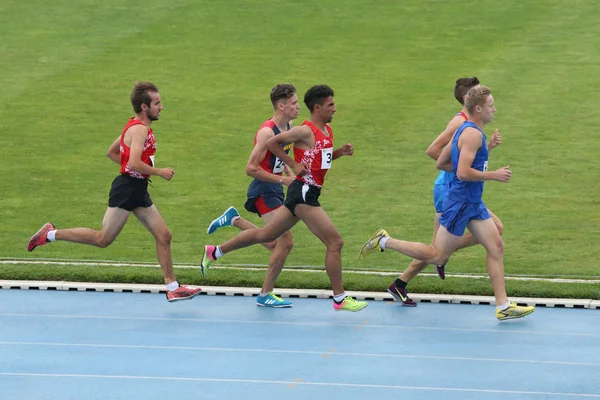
pixel 223 220
pixel 271 300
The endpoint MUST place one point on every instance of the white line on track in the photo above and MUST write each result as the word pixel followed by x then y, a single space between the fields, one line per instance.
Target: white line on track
pixel 250 267
pixel 299 383
pixel 319 353
pixel 298 323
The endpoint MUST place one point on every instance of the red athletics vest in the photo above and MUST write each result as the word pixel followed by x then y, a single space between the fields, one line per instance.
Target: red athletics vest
pixel 147 152
pixel 271 163
pixel 319 157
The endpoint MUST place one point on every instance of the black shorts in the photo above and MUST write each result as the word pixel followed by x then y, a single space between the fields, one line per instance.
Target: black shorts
pixel 302 193
pixel 128 193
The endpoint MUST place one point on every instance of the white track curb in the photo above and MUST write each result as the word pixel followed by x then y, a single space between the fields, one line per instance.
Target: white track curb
pixel 292 293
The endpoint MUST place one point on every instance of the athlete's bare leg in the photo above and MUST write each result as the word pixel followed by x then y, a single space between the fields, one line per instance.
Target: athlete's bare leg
pixel 154 222
pixel 445 244
pixel 416 266
pixel 282 246
pixel 487 234
pixel 283 220
pixel 112 224
pixel 469 240
pixel 319 223
pixel 243 225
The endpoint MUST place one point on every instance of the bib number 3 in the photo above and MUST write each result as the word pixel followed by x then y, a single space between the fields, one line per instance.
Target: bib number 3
pixel 326 158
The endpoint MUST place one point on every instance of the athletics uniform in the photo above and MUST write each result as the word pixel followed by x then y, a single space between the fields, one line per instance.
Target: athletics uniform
pixel 307 189
pixel 130 189
pixel 442 183
pixel 464 200
pixel 264 197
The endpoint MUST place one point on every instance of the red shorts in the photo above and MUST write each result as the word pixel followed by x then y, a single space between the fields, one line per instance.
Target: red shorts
pixel 262 207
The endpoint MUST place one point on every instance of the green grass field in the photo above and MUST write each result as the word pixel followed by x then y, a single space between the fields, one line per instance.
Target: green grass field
pixel 69 66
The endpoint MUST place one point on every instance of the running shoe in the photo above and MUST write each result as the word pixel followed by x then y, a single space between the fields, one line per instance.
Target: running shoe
pixel 373 243
pixel 514 311
pixel 183 292
pixel 223 220
pixel 401 295
pixel 349 304
pixel 271 300
pixel 207 258
pixel 40 237
pixel 441 271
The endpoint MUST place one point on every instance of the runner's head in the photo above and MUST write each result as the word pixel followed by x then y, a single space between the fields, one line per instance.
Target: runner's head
pixel 145 99
pixel 319 100
pixel 285 100
pixel 462 87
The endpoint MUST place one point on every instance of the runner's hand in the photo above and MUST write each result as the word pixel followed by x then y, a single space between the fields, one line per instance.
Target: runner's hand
pixel 166 173
pixel 347 149
pixel 300 169
pixel 503 174
pixel 496 140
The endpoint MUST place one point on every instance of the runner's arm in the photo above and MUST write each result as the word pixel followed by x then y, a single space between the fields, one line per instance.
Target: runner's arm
pixel 345 150
pixel 435 148
pixel 258 154
pixel 470 142
pixel 114 151
pixel 295 135
pixel 444 161
pixel 138 134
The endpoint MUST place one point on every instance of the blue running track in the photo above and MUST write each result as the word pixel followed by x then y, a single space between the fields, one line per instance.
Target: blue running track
pixel 86 345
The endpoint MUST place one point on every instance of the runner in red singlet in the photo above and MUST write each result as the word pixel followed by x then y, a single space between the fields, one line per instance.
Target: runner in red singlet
pixel 265 193
pixel 313 157
pixel 134 150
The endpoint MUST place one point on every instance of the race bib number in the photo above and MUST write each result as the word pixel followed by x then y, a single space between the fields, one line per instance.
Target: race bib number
pixel 278 166
pixel 485 166
pixel 326 158
pixel 152 160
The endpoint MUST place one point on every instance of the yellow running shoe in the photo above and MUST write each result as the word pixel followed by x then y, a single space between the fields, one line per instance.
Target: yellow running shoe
pixel 514 311
pixel 373 243
pixel 349 304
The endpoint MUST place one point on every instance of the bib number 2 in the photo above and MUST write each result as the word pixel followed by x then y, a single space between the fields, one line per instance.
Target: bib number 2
pixel 278 166
pixel 326 158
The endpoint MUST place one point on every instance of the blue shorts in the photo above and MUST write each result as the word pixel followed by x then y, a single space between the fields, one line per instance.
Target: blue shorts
pixel 271 194
pixel 440 191
pixel 456 215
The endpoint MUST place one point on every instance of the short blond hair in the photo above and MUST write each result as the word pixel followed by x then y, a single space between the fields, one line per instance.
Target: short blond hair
pixel 476 96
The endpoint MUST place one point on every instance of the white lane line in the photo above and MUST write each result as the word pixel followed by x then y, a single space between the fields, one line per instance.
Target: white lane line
pixel 297 268
pixel 319 353
pixel 299 383
pixel 297 323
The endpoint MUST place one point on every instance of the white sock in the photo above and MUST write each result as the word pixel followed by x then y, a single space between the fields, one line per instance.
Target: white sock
pixel 382 242
pixel 340 297
pixel 504 306
pixel 218 252
pixel 172 286
pixel 234 219
pixel 263 294
pixel 51 236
